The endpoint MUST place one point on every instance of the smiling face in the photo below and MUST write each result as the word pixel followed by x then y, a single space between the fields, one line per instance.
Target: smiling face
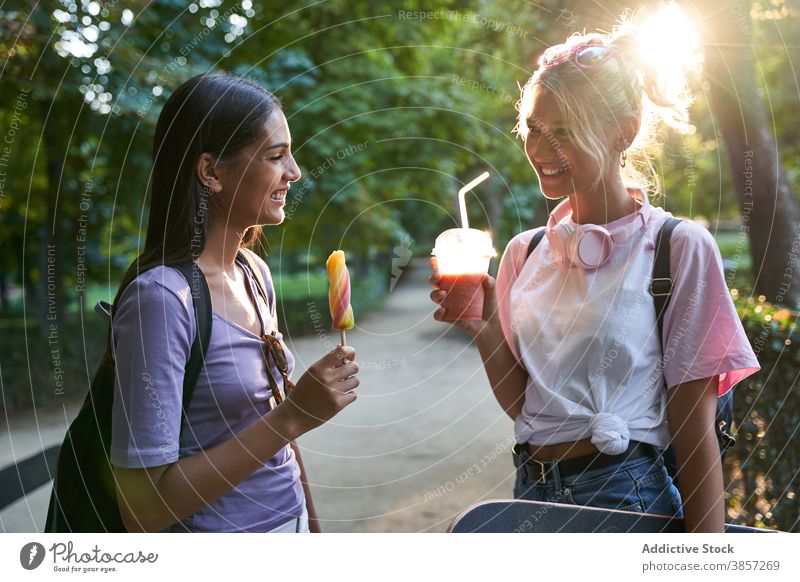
pixel 255 182
pixel 563 168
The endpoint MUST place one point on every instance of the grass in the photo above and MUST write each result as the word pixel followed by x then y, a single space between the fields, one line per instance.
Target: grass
pixel 735 250
pixel 732 244
pixel 299 285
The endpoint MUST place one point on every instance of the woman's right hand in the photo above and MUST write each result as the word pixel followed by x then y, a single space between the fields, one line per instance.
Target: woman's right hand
pixel 473 328
pixel 322 392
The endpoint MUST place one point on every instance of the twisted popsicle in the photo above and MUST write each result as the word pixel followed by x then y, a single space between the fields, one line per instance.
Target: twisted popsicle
pixel 339 293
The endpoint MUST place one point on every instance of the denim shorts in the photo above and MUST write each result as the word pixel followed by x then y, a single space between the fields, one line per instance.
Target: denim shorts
pixel 640 485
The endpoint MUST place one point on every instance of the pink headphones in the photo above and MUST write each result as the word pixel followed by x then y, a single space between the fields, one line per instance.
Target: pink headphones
pixel 589 245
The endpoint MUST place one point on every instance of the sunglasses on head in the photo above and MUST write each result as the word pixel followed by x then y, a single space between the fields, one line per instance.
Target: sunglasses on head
pixel 587 56
pixel 273 349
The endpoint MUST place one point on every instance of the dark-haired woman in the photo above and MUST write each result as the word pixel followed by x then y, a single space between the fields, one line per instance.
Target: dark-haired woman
pixel 570 340
pixel 222 166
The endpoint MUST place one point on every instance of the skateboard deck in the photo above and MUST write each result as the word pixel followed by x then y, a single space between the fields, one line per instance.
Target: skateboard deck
pixel 518 516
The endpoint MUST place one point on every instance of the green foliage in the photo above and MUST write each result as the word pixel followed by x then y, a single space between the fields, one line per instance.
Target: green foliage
pixel 302 302
pixel 762 467
pixel 689 173
pixel 390 114
pixel 776 30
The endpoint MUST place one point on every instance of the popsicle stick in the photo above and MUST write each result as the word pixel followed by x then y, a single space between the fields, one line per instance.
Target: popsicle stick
pixel 342 337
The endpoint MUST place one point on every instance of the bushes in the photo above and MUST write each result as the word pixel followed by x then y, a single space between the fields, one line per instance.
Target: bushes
pixel 44 371
pixel 763 466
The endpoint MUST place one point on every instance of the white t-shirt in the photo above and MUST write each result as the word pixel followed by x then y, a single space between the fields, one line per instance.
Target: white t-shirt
pixel 588 338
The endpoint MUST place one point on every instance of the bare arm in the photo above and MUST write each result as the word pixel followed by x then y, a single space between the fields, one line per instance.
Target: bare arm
pixel 153 498
pixel 506 376
pixel 691 412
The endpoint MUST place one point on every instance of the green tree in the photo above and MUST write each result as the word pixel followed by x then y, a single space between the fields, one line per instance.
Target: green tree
pixel 766 197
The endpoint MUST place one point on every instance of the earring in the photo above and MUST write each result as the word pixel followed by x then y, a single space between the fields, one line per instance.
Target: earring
pixel 624 151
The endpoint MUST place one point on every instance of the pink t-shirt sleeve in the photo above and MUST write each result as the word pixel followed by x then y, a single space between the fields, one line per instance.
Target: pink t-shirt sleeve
pixel 703 335
pixel 510 266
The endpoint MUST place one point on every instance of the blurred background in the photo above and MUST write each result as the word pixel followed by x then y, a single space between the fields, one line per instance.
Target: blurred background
pixel 392 106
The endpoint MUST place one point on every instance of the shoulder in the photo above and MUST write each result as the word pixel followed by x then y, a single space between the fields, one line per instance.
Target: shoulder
pixel 517 247
pixel 161 284
pixel 514 258
pixel 523 239
pixel 158 303
pixel 688 237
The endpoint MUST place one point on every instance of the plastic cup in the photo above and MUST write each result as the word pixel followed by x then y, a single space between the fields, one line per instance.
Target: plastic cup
pixel 463 256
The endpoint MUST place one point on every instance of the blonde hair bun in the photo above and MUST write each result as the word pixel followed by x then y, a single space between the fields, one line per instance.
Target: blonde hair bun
pixel 595 98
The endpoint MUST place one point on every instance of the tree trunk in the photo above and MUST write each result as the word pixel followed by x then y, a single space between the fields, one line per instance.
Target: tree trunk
pixel 4 306
pixel 51 273
pixel 766 199
pixel 493 202
pixel 767 202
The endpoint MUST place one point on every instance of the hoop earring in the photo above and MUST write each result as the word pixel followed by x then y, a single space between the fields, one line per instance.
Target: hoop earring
pixel 624 159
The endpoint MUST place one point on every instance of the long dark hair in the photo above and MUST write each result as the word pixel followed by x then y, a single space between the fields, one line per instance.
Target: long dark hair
pixel 217 114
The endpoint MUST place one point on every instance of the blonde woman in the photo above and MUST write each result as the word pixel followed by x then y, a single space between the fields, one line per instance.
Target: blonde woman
pixel 569 339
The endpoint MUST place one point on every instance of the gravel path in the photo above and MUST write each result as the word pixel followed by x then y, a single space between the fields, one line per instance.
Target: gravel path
pixel 424 439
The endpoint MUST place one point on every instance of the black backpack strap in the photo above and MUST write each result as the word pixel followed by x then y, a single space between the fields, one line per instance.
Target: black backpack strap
pixel 537 238
pixel 661 285
pixel 103 309
pixel 661 282
pixel 201 301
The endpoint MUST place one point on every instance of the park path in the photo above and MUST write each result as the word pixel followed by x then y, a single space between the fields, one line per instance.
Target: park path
pixel 424 439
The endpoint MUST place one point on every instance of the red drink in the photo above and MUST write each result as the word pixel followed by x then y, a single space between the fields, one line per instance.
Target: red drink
pixel 464 301
pixel 462 256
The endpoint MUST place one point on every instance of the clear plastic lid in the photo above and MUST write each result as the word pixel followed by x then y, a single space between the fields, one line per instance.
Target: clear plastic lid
pixel 470 241
pixel 463 250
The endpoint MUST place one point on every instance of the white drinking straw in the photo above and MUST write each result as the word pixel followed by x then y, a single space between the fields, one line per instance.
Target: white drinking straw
pixel 461 193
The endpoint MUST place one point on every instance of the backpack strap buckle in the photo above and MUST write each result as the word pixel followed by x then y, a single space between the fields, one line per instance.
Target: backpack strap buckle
pixel 726 439
pixel 103 309
pixel 661 287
